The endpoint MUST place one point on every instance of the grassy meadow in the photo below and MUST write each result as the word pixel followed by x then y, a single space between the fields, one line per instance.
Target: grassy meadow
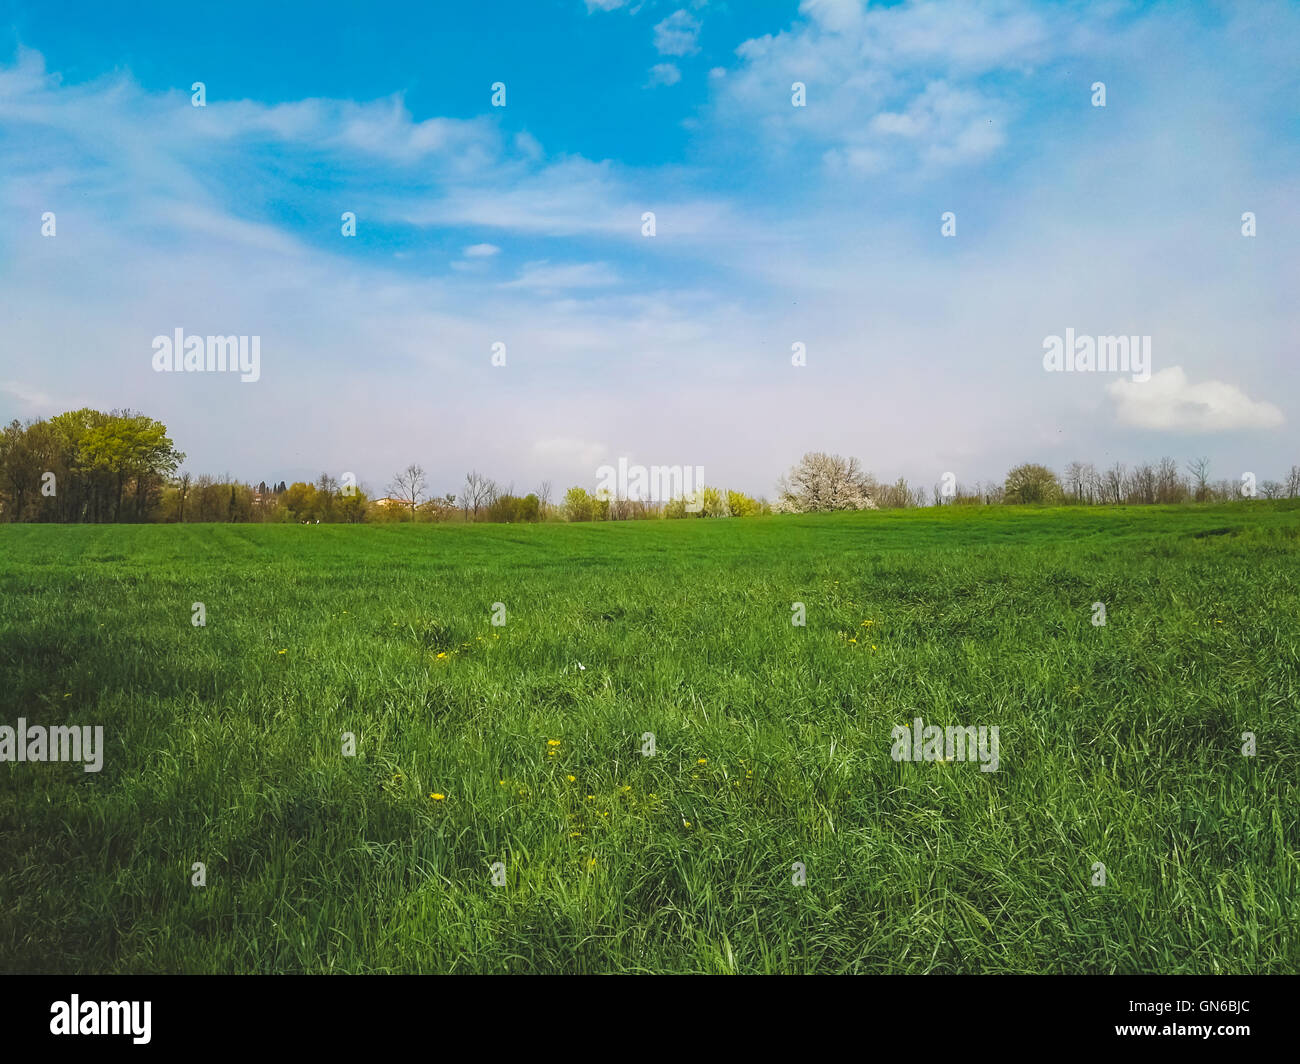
pixel 1120 744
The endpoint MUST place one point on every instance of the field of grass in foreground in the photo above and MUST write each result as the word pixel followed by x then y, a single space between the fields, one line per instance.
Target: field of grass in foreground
pixel 1119 744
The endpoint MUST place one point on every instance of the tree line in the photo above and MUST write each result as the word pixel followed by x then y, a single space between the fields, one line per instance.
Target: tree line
pixel 85 465
pixel 121 466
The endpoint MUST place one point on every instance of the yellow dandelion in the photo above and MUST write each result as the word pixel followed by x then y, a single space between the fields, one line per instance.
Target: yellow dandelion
pixel 284 651
pixel 552 742
pixel 443 654
pixel 702 761
pixel 437 797
pixel 852 640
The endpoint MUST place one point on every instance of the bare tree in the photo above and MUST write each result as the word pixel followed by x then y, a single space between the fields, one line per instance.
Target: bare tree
pixel 898 495
pixel 1199 468
pixel 1169 488
pixel 1074 480
pixel 478 490
pixel 1142 484
pixel 1113 482
pixel 327 491
pixel 544 497
pixel 409 486
pixel 183 489
pixel 1293 482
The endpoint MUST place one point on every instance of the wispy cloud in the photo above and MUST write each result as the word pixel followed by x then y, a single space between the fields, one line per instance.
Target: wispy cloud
pixel 545 277
pixel 817 225
pixel 678 34
pixel 664 74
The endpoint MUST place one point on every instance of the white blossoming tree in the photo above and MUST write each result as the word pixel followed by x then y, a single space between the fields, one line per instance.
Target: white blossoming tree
pixel 825 482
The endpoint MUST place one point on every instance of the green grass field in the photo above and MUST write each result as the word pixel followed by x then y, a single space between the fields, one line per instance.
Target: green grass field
pixel 1119 744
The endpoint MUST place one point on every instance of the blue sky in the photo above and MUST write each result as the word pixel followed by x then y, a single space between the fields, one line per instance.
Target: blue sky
pixel 774 225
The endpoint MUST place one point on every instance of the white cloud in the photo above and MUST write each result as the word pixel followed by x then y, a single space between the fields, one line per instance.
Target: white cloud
pixel 604 5
pixel 953 125
pixel 920 84
pixel 664 74
pixel 1169 402
pixel 573 196
pixel 834 15
pixel 481 251
pixel 678 34
pixel 543 277
pixel 163 130
pixel 30 397
pixel 527 145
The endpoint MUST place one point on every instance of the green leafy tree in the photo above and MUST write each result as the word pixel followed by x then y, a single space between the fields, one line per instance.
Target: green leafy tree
pixel 578 504
pixel 300 500
pixel 1031 483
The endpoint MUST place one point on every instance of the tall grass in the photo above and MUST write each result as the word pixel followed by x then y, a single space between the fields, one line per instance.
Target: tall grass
pixel 1119 744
